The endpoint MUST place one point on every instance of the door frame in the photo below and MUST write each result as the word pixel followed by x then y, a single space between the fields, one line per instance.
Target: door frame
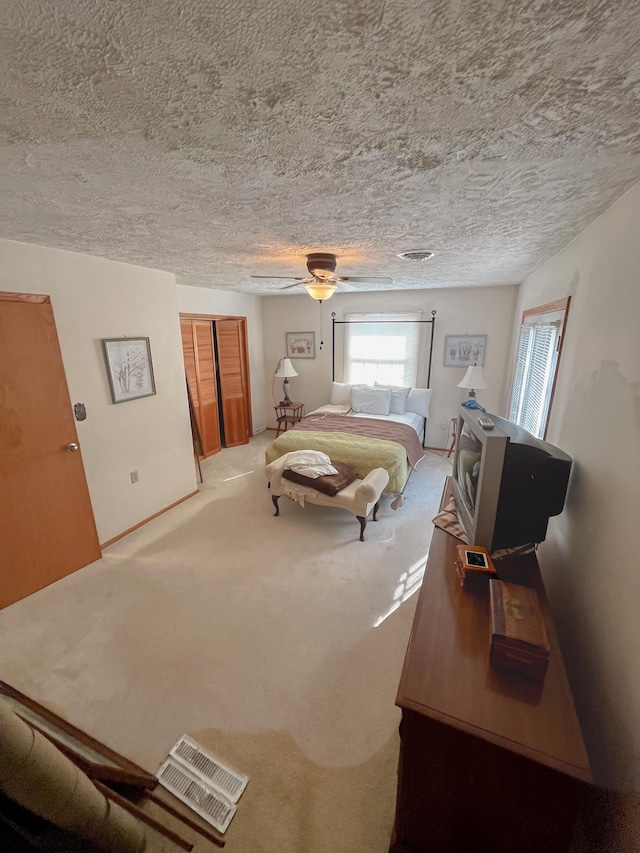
pixel 8 296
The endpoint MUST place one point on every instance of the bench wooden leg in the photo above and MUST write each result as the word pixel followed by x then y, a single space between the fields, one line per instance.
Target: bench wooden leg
pixel 363 524
pixel 375 512
pixel 275 499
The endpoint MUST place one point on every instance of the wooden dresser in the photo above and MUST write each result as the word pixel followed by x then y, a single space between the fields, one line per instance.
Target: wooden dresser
pixel 490 760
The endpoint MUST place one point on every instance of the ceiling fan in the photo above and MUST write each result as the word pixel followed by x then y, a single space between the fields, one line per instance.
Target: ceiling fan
pixel 322 281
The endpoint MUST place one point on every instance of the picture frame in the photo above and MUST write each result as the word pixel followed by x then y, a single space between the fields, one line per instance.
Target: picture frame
pixel 129 368
pixel 464 350
pixel 300 344
pixel 91 756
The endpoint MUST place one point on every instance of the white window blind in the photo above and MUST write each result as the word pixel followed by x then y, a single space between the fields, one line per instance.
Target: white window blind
pixel 382 348
pixel 533 378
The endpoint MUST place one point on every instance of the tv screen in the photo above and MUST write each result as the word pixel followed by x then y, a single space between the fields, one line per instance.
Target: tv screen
pixel 468 465
pixel 506 482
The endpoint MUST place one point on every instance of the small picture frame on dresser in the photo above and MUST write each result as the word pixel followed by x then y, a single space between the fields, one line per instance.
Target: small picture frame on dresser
pixel 473 562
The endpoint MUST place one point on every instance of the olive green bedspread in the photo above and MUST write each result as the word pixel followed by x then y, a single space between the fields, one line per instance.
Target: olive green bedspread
pixel 362 454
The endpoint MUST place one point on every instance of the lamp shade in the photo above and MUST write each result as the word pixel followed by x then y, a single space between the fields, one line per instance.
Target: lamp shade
pixel 320 291
pixel 285 368
pixel 473 379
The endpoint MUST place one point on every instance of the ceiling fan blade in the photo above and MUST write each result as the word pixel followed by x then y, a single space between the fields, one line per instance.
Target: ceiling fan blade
pixel 366 279
pixel 289 286
pixel 285 277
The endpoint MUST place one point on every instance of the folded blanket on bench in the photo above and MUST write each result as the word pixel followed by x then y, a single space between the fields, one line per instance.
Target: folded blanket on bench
pixel 328 484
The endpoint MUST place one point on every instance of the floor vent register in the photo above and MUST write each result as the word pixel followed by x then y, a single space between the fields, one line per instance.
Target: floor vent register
pixel 203 782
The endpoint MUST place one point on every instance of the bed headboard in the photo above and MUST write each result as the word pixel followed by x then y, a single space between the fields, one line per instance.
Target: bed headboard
pixel 335 323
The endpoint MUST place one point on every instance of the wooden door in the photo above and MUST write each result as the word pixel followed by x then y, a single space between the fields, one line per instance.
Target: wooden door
pixel 234 382
pixel 47 529
pixel 199 359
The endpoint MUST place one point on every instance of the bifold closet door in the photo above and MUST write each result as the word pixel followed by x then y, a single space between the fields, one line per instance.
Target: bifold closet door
pixel 234 383
pixel 200 364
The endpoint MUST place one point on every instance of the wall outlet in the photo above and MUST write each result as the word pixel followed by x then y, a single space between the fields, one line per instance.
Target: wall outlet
pixel 444 424
pixel 134 477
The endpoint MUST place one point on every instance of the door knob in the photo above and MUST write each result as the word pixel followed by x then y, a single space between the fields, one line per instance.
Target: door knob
pixel 72 447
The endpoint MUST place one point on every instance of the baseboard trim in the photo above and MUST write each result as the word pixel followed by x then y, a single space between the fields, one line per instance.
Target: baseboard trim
pixel 104 545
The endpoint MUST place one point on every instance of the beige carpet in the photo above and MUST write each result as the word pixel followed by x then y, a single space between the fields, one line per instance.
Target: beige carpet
pixel 277 643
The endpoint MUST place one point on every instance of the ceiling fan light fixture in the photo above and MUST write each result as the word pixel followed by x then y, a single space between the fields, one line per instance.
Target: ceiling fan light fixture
pixel 320 291
pixel 321 265
pixel 416 255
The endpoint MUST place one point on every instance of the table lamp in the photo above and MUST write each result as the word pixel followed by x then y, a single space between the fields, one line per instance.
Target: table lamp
pixel 473 379
pixel 285 369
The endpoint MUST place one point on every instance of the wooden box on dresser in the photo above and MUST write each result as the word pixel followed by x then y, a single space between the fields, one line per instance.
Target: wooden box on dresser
pixel 491 760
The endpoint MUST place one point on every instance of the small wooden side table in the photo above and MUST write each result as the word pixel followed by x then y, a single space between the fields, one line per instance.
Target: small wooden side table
pixel 289 414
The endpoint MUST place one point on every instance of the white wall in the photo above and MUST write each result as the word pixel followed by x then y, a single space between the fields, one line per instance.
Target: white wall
pixel 590 560
pixel 201 300
pixel 486 310
pixel 92 299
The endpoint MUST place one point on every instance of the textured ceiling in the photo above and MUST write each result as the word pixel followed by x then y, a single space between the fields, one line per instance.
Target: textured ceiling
pixel 221 139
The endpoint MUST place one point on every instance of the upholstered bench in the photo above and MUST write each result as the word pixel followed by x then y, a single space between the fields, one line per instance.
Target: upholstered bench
pixel 359 497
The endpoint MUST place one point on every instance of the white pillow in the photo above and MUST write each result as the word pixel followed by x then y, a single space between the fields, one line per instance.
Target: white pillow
pixel 370 401
pixel 310 463
pixel 418 401
pixel 340 393
pixel 399 396
pixel 331 409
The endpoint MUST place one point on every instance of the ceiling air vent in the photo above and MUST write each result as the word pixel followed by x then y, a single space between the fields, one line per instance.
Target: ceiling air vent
pixel 416 255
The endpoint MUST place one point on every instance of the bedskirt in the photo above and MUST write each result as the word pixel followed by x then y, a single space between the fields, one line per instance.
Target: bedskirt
pixel 363 454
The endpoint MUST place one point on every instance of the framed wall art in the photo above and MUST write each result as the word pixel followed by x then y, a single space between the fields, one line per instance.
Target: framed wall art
pixel 464 350
pixel 301 345
pixel 129 368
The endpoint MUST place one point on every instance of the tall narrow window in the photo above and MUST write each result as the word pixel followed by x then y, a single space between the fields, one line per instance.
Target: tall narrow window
pixel 539 346
pixel 382 348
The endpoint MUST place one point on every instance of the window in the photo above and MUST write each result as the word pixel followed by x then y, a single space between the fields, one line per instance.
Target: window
pixel 539 347
pixel 382 348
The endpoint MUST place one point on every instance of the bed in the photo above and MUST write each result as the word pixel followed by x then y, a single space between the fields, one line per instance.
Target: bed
pixel 352 430
pixel 367 427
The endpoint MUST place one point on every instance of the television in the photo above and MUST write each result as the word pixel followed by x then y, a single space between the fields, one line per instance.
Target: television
pixel 506 482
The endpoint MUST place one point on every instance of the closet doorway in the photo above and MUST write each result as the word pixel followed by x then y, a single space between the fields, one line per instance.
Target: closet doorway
pixel 217 369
